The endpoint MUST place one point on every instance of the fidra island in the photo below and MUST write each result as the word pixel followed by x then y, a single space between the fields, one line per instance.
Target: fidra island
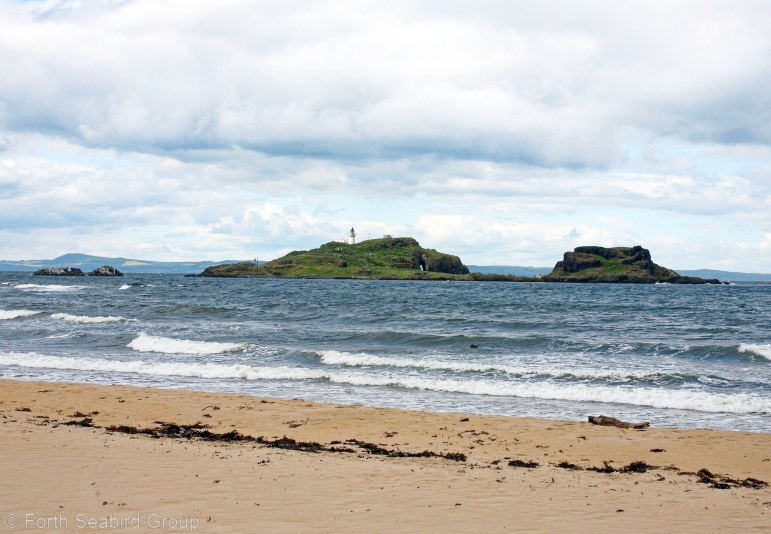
pixel 402 258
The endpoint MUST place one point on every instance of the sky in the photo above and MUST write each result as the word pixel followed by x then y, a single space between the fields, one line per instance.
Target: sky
pixel 504 132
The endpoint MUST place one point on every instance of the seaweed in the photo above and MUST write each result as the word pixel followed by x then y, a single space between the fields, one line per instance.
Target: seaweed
pixel 201 431
pixel 290 444
pixel 569 466
pixel 371 448
pixel 637 467
pixel 522 463
pixel 86 421
pixel 172 430
pixel 724 482
pixel 606 468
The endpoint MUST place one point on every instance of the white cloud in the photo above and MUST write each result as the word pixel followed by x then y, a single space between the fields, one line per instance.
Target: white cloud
pixel 501 132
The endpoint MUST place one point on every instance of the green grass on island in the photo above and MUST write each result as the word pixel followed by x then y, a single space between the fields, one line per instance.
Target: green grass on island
pixel 400 258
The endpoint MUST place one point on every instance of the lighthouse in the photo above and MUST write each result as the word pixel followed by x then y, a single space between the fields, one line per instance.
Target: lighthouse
pixel 352 237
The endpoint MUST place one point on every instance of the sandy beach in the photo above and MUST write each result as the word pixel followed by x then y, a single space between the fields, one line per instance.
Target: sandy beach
pixel 85 458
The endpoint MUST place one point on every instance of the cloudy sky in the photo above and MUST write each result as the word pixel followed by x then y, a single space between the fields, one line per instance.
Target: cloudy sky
pixel 505 132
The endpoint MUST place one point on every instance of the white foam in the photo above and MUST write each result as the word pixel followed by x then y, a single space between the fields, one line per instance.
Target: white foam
pixel 84 319
pixel 147 343
pixel 124 286
pixel 761 350
pixel 55 287
pixel 333 357
pixel 13 314
pixel 658 398
pixel 183 369
pixel 681 399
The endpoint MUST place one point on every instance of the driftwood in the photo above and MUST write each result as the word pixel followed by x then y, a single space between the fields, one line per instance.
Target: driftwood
pixel 612 421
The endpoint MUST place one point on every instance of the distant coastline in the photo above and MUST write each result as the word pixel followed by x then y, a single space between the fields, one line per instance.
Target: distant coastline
pixel 88 262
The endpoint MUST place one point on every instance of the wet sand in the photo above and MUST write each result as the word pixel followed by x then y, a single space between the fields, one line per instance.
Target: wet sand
pixel 219 463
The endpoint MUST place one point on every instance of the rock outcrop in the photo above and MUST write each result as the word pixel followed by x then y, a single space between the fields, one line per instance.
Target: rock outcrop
pixel 616 265
pixel 105 270
pixel 59 271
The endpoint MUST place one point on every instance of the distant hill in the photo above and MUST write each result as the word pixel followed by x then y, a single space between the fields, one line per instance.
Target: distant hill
pixel 509 269
pixel 728 276
pixel 87 262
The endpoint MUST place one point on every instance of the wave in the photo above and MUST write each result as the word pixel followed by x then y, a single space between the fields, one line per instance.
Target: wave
pixel 680 399
pixel 84 319
pixel 147 343
pixel 181 369
pixel 764 351
pixel 52 288
pixel 333 357
pixel 14 314
pixel 135 284
pixel 426 339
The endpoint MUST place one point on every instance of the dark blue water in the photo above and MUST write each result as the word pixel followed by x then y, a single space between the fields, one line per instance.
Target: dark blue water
pixel 686 356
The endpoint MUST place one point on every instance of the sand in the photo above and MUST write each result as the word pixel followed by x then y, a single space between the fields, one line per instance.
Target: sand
pixel 70 478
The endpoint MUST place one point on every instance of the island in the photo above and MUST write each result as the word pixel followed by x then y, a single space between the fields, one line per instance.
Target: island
pixel 631 265
pixel 105 270
pixel 59 271
pixel 389 258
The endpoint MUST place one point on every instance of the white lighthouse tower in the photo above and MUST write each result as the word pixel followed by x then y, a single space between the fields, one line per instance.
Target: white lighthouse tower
pixel 352 237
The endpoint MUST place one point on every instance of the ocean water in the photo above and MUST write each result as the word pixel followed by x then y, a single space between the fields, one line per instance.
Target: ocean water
pixel 682 356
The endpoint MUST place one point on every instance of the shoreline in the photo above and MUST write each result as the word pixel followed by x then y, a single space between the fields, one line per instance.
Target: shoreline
pixel 63 466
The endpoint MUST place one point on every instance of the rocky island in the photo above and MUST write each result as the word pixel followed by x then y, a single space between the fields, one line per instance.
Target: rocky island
pixel 59 271
pixel 105 270
pixel 400 258
pixel 632 265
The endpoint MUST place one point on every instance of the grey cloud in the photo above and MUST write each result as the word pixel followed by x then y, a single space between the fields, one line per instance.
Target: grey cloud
pixel 240 126
pixel 503 84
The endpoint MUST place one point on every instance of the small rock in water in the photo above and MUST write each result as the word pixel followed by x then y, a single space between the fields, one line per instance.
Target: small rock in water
pixel 59 271
pixel 105 270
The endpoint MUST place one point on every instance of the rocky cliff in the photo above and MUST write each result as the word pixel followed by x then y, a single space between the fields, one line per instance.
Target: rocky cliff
pixel 616 265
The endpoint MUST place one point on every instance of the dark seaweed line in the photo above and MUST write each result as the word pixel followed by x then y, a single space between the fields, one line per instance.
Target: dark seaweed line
pixel 201 431
pixel 640 466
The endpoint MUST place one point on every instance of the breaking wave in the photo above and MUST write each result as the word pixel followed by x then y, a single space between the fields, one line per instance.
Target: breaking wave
pixel 14 314
pixel 51 288
pixel 147 343
pixel 763 351
pixel 84 319
pixel 182 369
pixel 333 357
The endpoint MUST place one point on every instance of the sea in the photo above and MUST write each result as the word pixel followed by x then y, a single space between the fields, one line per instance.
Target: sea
pixel 677 356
